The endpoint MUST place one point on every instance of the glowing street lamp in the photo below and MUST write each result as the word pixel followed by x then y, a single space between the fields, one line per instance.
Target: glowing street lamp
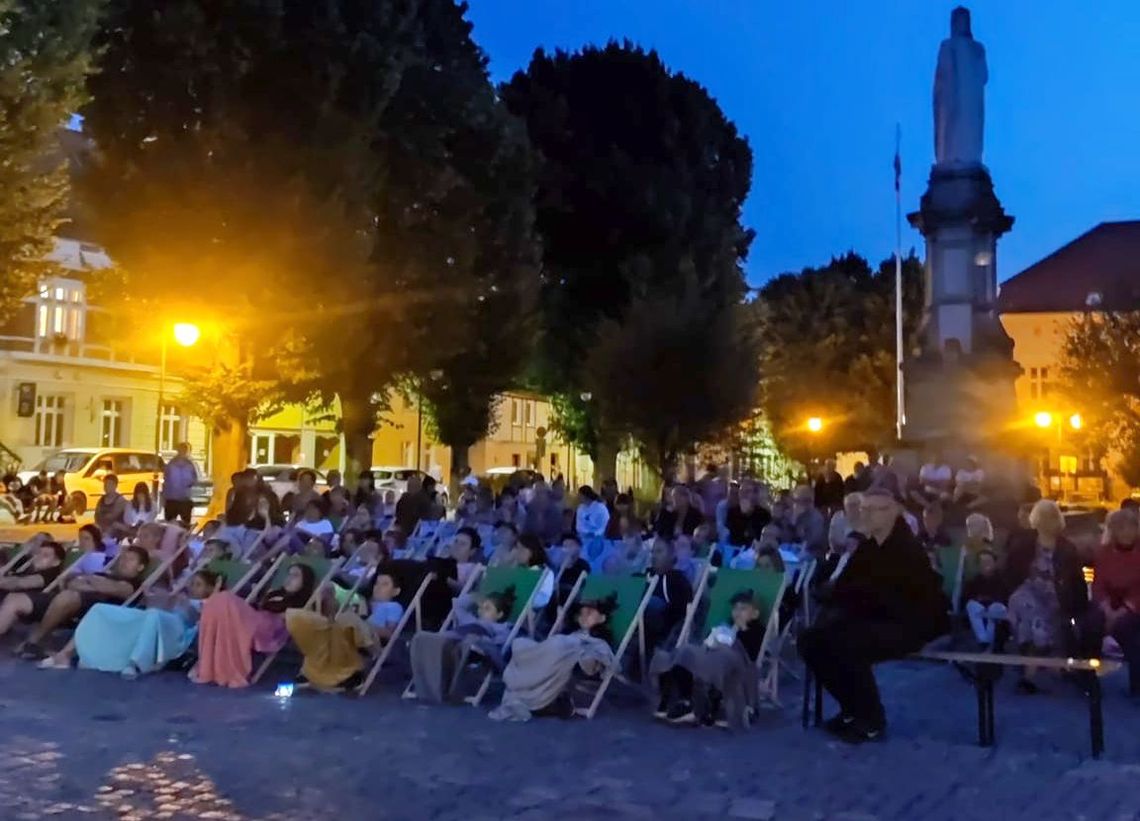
pixel 1043 419
pixel 1075 421
pixel 815 424
pixel 187 335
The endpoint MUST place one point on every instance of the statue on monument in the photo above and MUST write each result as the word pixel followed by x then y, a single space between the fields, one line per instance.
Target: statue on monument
pixel 959 95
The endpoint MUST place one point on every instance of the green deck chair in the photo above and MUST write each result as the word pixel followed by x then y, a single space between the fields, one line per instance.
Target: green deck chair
pixel 526 581
pixel 633 596
pixel 952 563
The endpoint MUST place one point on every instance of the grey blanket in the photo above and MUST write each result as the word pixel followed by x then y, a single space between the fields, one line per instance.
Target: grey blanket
pixel 538 672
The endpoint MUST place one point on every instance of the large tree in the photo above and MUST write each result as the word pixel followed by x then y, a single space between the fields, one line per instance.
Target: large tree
pixel 1100 372
pixel 641 182
pixel 45 57
pixel 827 341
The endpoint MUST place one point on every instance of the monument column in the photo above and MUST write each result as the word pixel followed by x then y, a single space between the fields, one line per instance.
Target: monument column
pixel 959 385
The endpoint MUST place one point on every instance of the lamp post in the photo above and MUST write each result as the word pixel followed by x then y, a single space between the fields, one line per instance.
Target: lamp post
pixel 1046 420
pixel 185 334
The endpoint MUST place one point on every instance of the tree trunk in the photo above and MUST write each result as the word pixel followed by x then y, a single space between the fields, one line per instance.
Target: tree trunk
pixel 460 461
pixel 358 423
pixel 229 453
pixel 605 464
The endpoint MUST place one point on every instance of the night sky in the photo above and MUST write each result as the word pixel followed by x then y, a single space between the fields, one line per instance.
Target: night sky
pixel 818 85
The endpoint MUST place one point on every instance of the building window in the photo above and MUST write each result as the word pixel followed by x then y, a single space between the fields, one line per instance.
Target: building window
pixel 516 412
pixel 530 413
pixel 171 428
pixel 59 310
pixel 1040 383
pixel 516 460
pixel 111 424
pixel 49 421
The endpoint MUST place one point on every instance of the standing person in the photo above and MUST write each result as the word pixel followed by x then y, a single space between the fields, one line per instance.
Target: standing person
pixel 858 481
pixel 543 515
pixel 829 488
pixel 593 515
pixel 712 488
pixel 1116 588
pixel 1049 607
pixel 413 506
pixel 178 478
pixel 111 510
pixel 883 601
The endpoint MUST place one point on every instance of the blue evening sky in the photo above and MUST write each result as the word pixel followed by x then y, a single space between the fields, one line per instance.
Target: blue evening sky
pixel 818 85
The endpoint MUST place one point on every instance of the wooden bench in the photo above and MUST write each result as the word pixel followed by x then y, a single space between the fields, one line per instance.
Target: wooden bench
pixel 985 672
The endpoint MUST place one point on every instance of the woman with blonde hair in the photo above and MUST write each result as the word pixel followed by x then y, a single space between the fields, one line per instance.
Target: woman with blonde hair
pixel 979 532
pixel 1049 605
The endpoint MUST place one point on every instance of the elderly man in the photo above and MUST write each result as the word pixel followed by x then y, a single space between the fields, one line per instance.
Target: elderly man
pixel 880 600
pixel 808 522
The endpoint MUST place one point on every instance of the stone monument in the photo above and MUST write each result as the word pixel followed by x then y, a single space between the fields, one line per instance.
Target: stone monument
pixel 959 384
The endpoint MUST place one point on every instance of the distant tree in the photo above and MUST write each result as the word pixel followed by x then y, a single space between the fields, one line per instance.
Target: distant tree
pixel 673 373
pixel 827 343
pixel 641 183
pixel 1100 372
pixel 45 57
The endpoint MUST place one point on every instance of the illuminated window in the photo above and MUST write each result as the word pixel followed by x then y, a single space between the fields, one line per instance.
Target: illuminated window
pixel 171 428
pixel 60 309
pixel 1040 383
pixel 111 423
pixel 49 421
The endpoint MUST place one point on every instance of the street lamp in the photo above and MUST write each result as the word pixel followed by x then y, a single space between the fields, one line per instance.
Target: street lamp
pixel 187 335
pixel 1075 421
pixel 1043 419
pixel 815 424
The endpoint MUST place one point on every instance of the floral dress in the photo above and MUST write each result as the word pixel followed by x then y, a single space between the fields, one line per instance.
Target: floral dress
pixel 1034 610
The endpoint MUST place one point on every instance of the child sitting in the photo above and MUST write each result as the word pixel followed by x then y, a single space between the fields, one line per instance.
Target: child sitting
pixel 698 680
pixel 438 658
pixel 539 673
pixel 331 640
pixel 986 595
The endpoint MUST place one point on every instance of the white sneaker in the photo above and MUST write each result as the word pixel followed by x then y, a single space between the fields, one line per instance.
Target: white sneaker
pixel 53 663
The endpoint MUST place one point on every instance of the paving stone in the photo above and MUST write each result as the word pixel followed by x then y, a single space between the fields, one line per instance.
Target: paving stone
pixel 753 808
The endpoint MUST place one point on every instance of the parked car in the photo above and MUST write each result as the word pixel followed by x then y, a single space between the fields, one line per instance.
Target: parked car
pixel 84 469
pixel 396 479
pixel 283 480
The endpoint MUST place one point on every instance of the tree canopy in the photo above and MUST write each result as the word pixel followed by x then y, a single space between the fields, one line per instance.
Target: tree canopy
pixel 641 181
pixel 827 341
pixel 45 57
pixel 1100 371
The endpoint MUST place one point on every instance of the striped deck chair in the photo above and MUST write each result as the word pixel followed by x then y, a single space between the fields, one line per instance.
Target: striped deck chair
pixel 69 561
pixel 155 570
pixel 768 588
pixel 526 582
pixel 322 568
pixel 21 552
pixel 413 609
pixel 633 596
pixel 468 586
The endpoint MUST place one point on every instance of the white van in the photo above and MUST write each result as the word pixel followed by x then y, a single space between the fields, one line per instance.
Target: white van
pixel 84 469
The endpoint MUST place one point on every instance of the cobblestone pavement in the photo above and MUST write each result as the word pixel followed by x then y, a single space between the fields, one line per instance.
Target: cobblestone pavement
pixel 88 745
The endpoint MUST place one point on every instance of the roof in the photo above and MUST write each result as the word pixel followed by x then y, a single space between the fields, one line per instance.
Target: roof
pixel 1099 269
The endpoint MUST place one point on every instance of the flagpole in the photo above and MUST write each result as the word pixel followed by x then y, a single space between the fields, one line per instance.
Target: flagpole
pixel 900 396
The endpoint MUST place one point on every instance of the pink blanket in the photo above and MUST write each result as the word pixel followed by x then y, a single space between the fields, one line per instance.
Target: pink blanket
pixel 229 633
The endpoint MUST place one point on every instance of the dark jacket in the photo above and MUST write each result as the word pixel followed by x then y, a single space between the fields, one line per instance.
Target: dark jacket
pixel 666 524
pixel 892 581
pixel 986 589
pixel 744 528
pixel 1068 577
pixel 829 491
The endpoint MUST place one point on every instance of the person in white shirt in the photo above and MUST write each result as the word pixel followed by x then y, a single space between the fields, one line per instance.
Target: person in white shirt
pixel 141 510
pixel 592 516
pixel 314 525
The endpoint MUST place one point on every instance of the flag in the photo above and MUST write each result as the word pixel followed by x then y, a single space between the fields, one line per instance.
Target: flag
pixel 898 159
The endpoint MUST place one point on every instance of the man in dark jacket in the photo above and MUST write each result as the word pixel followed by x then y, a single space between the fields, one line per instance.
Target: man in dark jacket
pixel 881 600
pixel 671 595
pixel 829 488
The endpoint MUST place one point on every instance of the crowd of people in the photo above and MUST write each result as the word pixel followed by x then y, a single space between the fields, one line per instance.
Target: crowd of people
pixel 337 573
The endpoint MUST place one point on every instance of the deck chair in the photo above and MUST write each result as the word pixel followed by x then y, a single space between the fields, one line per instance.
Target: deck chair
pixel 526 582
pixel 413 608
pixel 69 561
pixel 468 586
pixel 768 588
pixel 633 596
pixel 322 568
pixel 154 571
pixel 24 551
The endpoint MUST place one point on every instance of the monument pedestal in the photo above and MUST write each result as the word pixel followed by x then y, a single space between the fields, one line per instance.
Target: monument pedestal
pixel 959 385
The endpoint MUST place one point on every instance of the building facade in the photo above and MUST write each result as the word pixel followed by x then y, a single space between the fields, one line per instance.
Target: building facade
pixel 1099 270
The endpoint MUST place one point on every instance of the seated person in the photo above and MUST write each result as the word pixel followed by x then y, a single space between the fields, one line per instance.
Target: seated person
pixel 968 489
pixel 466 547
pixel 703 545
pixel 672 594
pixel 79 594
pixel 1116 588
pixel 722 671
pixel 314 524
pixel 573 565
pixel 94 549
pixel 985 596
pixel 331 641
pixel 131 641
pixel 932 533
pixel 502 544
pixel 537 677
pixel 438 657
pixel 768 540
pixel 231 629
pixel 529 552
pixel 627 557
pixel 41 568
pixel 685 563
pixel 198 540
pixel 882 601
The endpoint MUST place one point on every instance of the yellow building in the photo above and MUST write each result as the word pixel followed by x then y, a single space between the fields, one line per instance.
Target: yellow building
pixel 1096 271
pixel 67 385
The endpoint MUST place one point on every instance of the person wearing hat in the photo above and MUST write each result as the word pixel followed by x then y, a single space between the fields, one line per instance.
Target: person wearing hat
pixel 537 678
pixel 882 600
pixel 717 681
